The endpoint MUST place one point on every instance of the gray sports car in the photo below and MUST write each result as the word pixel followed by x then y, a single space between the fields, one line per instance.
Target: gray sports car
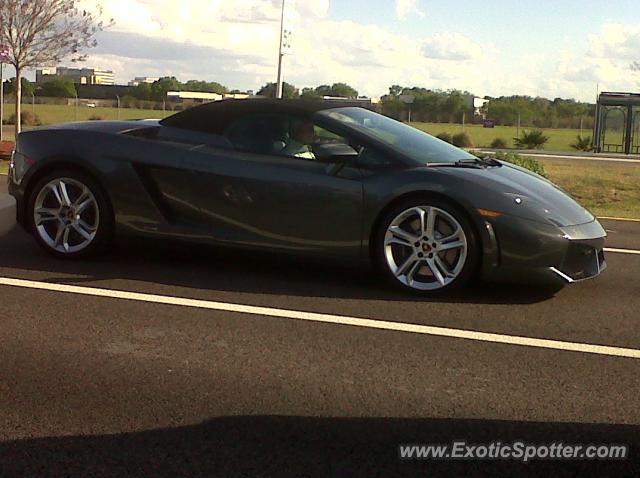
pixel 318 178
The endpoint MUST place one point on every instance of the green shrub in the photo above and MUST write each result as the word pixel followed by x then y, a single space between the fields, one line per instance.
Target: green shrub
pixel 445 137
pixel 499 143
pixel 27 118
pixel 583 143
pixel 534 139
pixel 462 140
pixel 95 118
pixel 522 161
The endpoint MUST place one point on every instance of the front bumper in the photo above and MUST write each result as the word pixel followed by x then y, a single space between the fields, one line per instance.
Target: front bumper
pixel 582 262
pixel 530 252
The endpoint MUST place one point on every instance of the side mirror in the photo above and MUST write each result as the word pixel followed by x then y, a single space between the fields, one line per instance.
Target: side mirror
pixel 334 152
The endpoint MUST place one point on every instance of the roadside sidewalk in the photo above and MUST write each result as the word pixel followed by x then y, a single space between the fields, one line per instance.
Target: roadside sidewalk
pixel 577 155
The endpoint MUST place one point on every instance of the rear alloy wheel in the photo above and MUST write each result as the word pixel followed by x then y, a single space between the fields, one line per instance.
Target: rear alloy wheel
pixel 427 247
pixel 71 218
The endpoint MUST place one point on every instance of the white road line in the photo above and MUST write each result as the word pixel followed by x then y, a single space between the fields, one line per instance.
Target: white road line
pixel 621 251
pixel 623 219
pixel 329 319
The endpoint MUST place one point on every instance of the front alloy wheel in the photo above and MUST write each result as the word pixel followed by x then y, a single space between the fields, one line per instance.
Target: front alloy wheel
pixel 66 215
pixel 70 215
pixel 427 248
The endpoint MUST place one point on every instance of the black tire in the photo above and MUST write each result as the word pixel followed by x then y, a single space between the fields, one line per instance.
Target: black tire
pixel 104 232
pixel 471 262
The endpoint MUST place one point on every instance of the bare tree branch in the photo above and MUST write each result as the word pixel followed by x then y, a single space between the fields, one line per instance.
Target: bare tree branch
pixel 41 32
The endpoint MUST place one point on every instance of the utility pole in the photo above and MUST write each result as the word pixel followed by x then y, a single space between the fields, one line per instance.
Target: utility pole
pixel 285 47
pixel 280 54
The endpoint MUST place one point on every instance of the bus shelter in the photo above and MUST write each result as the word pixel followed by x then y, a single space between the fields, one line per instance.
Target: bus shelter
pixel 617 124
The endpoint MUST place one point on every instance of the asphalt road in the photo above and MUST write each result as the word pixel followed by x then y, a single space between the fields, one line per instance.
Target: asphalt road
pixel 99 386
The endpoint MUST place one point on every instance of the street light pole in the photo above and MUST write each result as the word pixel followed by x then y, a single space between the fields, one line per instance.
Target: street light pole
pixel 280 55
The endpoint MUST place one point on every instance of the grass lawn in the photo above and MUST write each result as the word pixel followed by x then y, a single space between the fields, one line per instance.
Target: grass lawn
pixel 607 189
pixel 53 114
pixel 559 139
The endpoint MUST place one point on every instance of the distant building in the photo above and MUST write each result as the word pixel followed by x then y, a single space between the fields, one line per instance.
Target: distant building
pixel 192 97
pixel 362 101
pixel 80 76
pixel 138 80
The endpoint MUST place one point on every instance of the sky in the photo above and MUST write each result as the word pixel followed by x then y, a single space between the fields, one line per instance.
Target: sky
pixel 548 48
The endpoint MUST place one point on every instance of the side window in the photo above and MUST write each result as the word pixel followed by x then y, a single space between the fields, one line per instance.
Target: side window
pixel 261 134
pixel 304 135
pixel 280 135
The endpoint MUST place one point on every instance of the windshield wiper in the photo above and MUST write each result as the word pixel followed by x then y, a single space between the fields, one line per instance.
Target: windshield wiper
pixel 461 163
pixel 488 160
pixel 476 162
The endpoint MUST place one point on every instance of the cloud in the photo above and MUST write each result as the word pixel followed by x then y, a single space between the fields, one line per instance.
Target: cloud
pixel 236 43
pixel 616 41
pixel 452 46
pixel 605 62
pixel 405 8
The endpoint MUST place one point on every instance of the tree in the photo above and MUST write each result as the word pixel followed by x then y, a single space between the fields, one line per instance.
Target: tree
pixel 531 140
pixel 310 94
pixel 161 87
pixel 324 90
pixel 288 91
pixel 142 92
pixel 59 87
pixel 28 88
pixel 205 87
pixel 343 90
pixel 44 32
pixel 395 90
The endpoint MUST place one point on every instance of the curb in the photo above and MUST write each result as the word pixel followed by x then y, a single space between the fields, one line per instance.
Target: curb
pixel 7 214
pixel 622 219
pixel 574 157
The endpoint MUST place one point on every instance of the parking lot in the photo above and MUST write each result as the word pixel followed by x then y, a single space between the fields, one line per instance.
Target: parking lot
pixel 109 367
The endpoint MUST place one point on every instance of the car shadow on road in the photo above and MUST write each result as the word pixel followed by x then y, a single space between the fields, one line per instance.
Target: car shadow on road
pixel 234 270
pixel 281 446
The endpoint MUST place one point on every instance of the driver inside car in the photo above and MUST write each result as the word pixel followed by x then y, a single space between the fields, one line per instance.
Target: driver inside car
pixel 301 136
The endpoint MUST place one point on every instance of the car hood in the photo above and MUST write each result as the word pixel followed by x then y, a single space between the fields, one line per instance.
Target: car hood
pixel 520 192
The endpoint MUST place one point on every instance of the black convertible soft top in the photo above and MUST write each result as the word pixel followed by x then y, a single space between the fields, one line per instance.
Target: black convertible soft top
pixel 216 116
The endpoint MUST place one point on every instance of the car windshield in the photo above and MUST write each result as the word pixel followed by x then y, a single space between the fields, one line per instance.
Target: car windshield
pixel 417 145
